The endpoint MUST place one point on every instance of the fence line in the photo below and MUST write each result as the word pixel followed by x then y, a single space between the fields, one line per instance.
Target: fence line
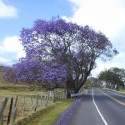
pixel 11 109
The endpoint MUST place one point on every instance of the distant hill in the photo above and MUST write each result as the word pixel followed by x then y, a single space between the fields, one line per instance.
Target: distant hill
pixel 1 69
pixel 14 87
pixel 1 73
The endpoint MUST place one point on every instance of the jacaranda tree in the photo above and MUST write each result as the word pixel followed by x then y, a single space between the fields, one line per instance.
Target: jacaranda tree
pixel 60 53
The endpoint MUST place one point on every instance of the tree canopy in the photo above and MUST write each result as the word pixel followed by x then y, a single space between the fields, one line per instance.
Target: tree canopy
pixel 95 82
pixel 113 77
pixel 59 53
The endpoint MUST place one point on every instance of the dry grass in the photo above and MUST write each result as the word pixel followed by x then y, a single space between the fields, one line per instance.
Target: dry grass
pixel 47 116
pixel 12 90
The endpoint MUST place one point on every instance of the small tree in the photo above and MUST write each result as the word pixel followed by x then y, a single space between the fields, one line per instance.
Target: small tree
pixel 64 51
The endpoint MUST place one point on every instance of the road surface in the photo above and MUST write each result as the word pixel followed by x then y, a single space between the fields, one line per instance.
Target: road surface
pixel 100 107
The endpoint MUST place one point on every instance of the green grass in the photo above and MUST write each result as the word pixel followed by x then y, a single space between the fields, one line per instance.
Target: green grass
pixel 49 115
pixel 122 90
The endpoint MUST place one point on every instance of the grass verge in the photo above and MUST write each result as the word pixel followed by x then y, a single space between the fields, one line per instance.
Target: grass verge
pixel 47 116
pixel 20 90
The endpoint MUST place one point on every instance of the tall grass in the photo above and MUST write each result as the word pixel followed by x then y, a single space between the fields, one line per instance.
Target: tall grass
pixel 49 115
pixel 12 90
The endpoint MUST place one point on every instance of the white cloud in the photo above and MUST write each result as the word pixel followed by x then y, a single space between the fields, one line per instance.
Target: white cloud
pixel 107 16
pixel 5 62
pixel 115 62
pixel 7 11
pixel 104 15
pixel 21 54
pixel 12 45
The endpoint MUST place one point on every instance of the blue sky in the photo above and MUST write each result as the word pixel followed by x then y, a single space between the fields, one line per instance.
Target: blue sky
pixel 23 14
pixel 107 16
pixel 27 11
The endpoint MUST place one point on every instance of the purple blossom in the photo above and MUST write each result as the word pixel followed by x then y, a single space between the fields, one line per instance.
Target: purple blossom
pixel 67 114
pixel 58 53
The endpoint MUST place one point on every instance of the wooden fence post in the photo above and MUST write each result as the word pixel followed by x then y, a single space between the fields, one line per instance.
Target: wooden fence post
pixel 16 98
pixel 37 98
pixel 10 110
pixel 41 101
pixel 31 105
pixel 15 109
pixel 59 97
pixel 65 95
pixel 5 99
pixel 47 99
pixel 1 122
pixel 50 96
pixel 54 95
pixel 62 96
pixel 24 106
pixel 44 99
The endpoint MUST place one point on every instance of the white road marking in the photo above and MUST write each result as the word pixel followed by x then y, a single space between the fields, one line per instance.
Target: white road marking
pixel 103 119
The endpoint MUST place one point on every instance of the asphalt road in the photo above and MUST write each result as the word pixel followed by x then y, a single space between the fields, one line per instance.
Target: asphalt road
pixel 100 107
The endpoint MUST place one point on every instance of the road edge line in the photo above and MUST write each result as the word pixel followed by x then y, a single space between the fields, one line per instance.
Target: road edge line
pixel 103 119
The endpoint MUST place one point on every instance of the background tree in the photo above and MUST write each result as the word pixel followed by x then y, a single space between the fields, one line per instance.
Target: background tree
pixel 113 77
pixel 95 82
pixel 64 51
pixel 87 84
pixel 107 77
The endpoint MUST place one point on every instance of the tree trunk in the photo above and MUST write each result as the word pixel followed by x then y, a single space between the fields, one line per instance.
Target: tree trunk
pixel 68 95
pixel 76 90
pixel 117 88
pixel 68 87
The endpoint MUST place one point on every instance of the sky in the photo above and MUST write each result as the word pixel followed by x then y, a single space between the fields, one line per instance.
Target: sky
pixel 107 16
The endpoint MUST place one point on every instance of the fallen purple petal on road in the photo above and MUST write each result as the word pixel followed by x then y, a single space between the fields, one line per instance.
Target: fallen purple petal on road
pixel 67 114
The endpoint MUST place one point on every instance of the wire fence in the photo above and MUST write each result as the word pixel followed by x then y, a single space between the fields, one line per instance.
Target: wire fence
pixel 14 108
